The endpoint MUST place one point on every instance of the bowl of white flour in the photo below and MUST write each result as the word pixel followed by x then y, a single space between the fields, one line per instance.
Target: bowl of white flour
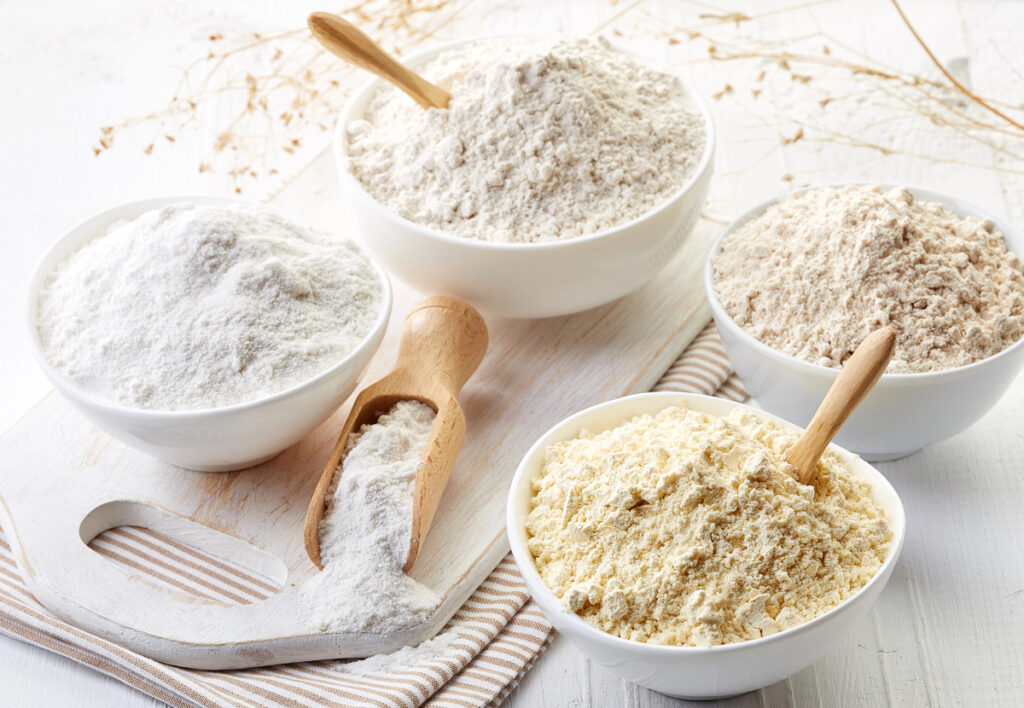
pixel 206 332
pixel 666 537
pixel 563 175
pixel 797 282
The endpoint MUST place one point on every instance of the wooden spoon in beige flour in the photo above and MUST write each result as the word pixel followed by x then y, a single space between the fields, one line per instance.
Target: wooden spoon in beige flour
pixel 345 40
pixel 443 342
pixel 858 376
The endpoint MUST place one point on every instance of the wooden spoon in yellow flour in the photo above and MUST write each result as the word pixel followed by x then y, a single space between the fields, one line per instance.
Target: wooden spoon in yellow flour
pixel 443 342
pixel 858 376
pixel 345 40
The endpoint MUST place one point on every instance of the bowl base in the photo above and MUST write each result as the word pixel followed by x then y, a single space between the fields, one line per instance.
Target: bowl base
pixel 716 697
pixel 885 456
pixel 230 467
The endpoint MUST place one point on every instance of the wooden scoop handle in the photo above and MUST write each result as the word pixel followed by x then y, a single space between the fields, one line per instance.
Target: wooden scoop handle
pixel 442 338
pixel 443 342
pixel 345 40
pixel 857 378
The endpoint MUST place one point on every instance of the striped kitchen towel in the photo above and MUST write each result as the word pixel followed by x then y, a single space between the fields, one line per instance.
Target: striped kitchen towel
pixel 477 659
pixel 704 368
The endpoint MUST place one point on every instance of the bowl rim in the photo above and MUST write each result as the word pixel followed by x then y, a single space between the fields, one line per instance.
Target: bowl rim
pixel 1014 243
pixel 365 91
pixel 80 235
pixel 548 602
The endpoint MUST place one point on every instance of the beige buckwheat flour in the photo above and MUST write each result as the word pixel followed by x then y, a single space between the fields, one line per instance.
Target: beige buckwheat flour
pixel 684 528
pixel 817 272
pixel 544 139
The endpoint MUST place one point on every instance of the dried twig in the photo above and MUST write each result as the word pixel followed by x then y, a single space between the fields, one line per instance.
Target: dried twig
pixel 301 87
pixel 960 87
pixel 275 110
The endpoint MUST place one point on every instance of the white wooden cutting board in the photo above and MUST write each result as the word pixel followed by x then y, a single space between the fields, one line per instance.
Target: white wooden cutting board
pixel 63 481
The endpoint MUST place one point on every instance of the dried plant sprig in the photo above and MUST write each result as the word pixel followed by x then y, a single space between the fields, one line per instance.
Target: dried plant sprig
pixel 945 72
pixel 280 88
pixel 897 94
pixel 298 88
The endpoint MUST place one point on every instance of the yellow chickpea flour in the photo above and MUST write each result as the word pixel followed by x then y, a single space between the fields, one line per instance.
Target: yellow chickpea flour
pixel 689 529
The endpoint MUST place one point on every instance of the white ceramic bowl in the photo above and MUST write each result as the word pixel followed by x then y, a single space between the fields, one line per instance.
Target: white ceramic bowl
pixel 522 280
pixel 904 412
pixel 218 439
pixel 693 672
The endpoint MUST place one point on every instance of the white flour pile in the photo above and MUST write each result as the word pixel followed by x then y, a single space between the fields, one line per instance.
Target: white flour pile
pixel 365 532
pixel 543 139
pixel 191 307
pixel 688 529
pixel 819 271
pixel 433 649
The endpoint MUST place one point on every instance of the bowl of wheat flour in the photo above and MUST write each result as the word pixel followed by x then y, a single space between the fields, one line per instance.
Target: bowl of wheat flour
pixel 564 173
pixel 209 333
pixel 796 283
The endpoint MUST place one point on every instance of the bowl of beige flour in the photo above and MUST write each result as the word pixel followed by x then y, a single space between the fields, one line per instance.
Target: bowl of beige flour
pixel 667 537
pixel 797 282
pixel 563 175
pixel 209 333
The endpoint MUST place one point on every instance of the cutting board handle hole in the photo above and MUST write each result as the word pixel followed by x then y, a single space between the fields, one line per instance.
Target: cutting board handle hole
pixel 181 555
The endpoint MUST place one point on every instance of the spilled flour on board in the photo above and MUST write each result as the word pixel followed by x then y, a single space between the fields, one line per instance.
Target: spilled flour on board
pixel 365 532
pixel 412 656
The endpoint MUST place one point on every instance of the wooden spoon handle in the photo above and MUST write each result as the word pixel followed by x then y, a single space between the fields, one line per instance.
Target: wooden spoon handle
pixel 347 41
pixel 431 479
pixel 858 377
pixel 444 337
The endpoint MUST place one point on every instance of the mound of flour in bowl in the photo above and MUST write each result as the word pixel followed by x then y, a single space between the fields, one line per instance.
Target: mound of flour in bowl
pixel 543 139
pixel 818 271
pixel 684 528
pixel 191 307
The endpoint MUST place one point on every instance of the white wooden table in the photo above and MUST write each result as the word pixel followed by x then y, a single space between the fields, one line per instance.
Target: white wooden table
pixel 949 629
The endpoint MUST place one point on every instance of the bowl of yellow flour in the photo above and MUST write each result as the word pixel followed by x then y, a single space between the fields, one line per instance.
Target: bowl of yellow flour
pixel 666 536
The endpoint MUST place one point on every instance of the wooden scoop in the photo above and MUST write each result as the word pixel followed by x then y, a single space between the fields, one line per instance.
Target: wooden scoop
pixel 443 341
pixel 859 375
pixel 345 40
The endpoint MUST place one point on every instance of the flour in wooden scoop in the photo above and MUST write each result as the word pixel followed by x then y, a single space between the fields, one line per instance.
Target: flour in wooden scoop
pixel 366 530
